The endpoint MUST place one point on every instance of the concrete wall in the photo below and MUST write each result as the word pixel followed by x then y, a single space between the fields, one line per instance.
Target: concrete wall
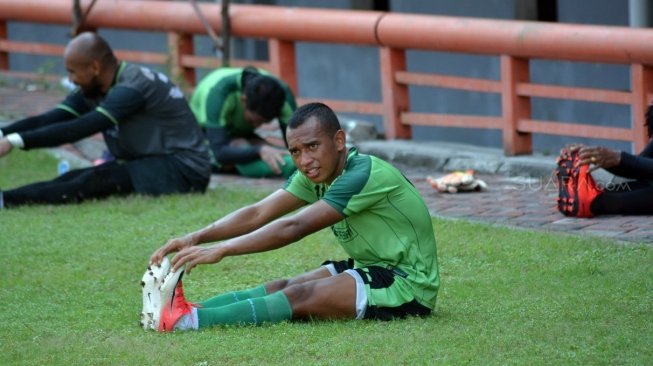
pixel 352 72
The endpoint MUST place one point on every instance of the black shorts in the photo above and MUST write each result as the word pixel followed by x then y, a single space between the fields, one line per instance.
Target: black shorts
pixel 382 293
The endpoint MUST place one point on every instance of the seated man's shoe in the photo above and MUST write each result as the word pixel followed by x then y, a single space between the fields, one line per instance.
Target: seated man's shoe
pixel 151 283
pixel 576 187
pixel 174 303
pixel 586 191
pixel 567 205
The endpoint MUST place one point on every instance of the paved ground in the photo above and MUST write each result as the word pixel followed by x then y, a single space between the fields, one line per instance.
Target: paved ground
pixel 511 200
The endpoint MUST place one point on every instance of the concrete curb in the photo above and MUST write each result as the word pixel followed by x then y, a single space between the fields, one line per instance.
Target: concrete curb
pixel 445 157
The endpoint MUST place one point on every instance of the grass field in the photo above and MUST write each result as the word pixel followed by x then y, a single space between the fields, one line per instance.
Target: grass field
pixel 71 295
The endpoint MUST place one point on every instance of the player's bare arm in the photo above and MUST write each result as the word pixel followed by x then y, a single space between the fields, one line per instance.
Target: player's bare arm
pixel 242 221
pixel 269 237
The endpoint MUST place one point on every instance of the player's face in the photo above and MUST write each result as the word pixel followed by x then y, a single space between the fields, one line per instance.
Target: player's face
pixel 84 74
pixel 315 153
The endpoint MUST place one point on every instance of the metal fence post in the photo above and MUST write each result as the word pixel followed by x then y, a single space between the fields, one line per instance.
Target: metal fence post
pixel 513 71
pixel 394 95
pixel 4 56
pixel 641 82
pixel 283 62
pixel 180 45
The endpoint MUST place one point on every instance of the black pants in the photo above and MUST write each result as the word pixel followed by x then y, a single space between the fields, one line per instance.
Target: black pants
pixel 100 181
pixel 631 198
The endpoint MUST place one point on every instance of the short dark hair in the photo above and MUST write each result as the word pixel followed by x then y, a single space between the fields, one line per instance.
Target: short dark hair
pixel 325 116
pixel 649 121
pixel 263 94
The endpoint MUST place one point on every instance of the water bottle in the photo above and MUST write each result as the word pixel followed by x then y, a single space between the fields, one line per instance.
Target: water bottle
pixel 63 167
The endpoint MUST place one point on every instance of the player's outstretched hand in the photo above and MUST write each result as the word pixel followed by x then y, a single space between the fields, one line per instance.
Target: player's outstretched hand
pixel 173 245
pixel 599 157
pixel 192 256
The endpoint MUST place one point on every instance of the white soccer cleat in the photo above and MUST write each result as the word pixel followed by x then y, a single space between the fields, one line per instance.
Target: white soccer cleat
pixel 151 283
pixel 174 304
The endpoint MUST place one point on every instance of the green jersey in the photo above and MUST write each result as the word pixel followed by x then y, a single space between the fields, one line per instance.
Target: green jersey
pixel 216 102
pixel 386 222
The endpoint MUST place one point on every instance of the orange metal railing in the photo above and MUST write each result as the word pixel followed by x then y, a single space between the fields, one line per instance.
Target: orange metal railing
pixel 515 42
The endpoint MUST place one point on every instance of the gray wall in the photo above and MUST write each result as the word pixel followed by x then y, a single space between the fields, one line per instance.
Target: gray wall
pixel 119 39
pixel 423 99
pixel 437 100
pixel 608 76
pixel 352 72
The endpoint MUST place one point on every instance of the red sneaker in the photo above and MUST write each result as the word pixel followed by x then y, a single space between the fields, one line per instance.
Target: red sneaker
pixel 174 304
pixel 567 204
pixel 586 191
pixel 576 187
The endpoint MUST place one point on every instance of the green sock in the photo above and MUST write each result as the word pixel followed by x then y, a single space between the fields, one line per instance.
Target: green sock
pixel 260 169
pixel 233 297
pixel 271 308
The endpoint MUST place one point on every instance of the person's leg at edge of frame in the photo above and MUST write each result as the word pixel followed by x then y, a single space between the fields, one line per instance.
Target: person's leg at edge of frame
pixel 42 192
pixel 75 186
pixel 635 201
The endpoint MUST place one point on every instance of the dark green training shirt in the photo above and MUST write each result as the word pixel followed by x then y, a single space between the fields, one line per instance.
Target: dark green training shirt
pixel 150 116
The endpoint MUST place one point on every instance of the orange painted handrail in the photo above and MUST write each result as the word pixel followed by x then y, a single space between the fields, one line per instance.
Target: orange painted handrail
pixel 256 21
pixel 404 31
pixel 515 42
pixel 517 38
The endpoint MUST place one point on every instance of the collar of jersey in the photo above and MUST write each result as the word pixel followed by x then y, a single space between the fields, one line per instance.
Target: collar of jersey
pixel 121 67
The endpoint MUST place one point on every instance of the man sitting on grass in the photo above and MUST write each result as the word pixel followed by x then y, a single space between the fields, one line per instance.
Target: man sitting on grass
pixel 376 214
pixel 145 120
pixel 580 196
pixel 230 104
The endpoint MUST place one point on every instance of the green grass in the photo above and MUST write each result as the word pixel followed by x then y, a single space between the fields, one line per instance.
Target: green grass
pixel 71 295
